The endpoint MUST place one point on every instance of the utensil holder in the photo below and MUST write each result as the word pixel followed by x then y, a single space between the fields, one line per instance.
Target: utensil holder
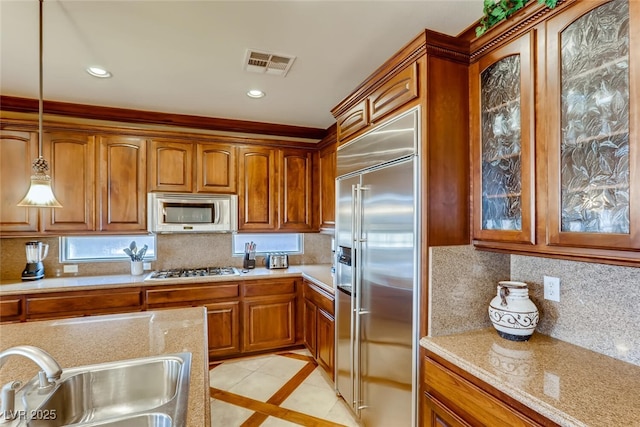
pixel 136 268
pixel 248 263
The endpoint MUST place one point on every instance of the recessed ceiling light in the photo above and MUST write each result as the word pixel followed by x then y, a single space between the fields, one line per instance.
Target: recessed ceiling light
pixel 255 93
pixel 99 72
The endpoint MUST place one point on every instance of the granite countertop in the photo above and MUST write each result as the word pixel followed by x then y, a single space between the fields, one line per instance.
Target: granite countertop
pixel 568 384
pixel 317 273
pixel 88 340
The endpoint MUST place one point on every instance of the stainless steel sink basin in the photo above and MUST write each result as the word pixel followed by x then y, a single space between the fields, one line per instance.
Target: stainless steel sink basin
pixel 151 391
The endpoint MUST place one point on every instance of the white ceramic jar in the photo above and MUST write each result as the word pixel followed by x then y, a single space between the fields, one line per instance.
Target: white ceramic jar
pixel 512 313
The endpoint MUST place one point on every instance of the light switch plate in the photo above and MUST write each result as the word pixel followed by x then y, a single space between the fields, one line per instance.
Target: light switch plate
pixel 551 385
pixel 552 288
pixel 146 266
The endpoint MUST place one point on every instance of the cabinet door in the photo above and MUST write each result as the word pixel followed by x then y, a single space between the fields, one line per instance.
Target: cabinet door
pixel 12 308
pixel 223 324
pixel 83 303
pixel 17 151
pixel 72 159
pixel 309 320
pixel 502 123
pixel 295 176
pixel 353 120
pixel 170 166
pixel 269 322
pixel 326 347
pixel 215 168
pixel 593 119
pixel 400 89
pixel 257 194
pixel 327 172
pixel 437 415
pixel 122 164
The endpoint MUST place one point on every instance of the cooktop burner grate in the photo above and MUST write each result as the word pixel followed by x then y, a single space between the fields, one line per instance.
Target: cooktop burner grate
pixel 177 273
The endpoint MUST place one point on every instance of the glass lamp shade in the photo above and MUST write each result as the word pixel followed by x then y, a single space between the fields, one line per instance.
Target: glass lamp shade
pixel 40 194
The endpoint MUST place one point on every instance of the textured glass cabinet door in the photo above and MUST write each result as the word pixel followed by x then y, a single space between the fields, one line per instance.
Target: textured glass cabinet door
pixel 502 97
pixel 593 142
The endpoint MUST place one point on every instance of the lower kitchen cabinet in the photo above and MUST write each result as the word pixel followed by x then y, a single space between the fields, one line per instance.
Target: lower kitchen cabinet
pixel 269 322
pixel 455 398
pixel 319 325
pixel 12 308
pixel 223 325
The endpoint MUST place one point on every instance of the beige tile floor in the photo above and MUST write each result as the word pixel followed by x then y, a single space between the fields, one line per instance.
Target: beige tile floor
pixel 284 389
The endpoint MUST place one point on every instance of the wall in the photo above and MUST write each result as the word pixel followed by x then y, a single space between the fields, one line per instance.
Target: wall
pixel 174 250
pixel 599 306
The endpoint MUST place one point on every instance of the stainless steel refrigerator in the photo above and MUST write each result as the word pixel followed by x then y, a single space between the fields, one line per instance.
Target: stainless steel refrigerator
pixel 377 248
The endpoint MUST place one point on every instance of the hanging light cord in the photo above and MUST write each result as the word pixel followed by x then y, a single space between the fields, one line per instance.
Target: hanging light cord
pixel 40 165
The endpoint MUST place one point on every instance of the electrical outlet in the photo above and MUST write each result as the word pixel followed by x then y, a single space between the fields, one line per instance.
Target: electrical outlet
pixel 552 288
pixel 146 266
pixel 71 268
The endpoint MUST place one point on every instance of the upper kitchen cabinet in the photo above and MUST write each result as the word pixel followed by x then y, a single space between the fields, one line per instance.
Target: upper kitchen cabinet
pixel 216 168
pixel 327 190
pixel 352 120
pixel 72 160
pixel 170 166
pixel 593 84
pixel 579 85
pixel 295 211
pixel 257 194
pixel 122 180
pixel 502 106
pixel 17 152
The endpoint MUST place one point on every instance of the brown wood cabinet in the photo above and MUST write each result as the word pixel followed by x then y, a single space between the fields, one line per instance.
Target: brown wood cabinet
pixel 17 152
pixel 296 207
pixel 319 325
pixel 269 314
pixel 122 180
pixel 72 160
pixel 223 326
pixel 579 199
pixel 327 189
pixel 257 193
pixel 12 308
pixel 394 93
pixel 170 165
pixel 216 168
pixel 455 398
pixel 352 120
pixel 502 138
pixel 83 303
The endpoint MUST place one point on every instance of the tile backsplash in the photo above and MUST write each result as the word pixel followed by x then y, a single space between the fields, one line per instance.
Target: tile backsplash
pixel 599 306
pixel 174 251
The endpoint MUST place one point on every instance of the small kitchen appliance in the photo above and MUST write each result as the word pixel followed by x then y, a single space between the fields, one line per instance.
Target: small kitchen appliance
pixel 276 260
pixel 36 253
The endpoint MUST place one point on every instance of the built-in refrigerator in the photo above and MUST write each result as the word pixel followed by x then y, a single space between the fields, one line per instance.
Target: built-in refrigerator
pixel 377 296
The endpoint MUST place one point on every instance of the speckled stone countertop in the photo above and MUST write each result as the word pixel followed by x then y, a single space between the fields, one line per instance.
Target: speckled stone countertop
pixel 317 273
pixel 97 339
pixel 568 384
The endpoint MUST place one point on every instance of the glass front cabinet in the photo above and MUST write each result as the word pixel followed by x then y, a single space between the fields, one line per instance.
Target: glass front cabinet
pixel 502 89
pixel 593 85
pixel 555 103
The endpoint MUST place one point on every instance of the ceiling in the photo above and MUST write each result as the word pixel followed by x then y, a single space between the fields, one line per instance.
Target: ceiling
pixel 186 57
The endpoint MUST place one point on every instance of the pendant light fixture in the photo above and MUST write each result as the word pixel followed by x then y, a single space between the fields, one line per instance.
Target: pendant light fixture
pixel 40 194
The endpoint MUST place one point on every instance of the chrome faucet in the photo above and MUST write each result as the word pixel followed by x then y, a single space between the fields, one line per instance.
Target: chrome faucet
pixel 47 377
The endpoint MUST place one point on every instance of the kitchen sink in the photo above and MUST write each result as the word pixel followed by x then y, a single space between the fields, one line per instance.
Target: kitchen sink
pixel 150 391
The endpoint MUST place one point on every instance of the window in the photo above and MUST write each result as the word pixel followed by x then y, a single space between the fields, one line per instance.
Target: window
pixel 288 243
pixel 104 248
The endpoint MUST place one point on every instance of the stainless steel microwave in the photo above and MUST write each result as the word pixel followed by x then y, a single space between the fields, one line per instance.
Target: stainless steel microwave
pixel 192 213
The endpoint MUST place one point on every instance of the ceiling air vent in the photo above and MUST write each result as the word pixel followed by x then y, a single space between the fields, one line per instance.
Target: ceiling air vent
pixel 269 63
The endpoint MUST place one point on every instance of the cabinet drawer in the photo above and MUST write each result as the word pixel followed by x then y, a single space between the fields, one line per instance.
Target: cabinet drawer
pixel 191 294
pixel 400 89
pixel 279 287
pixel 319 297
pixel 83 303
pixel 11 309
pixel 467 400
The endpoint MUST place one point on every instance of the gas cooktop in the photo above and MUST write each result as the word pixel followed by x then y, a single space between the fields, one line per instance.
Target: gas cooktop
pixel 188 273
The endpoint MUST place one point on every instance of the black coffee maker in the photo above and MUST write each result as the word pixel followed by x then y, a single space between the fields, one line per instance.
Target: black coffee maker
pixel 36 253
